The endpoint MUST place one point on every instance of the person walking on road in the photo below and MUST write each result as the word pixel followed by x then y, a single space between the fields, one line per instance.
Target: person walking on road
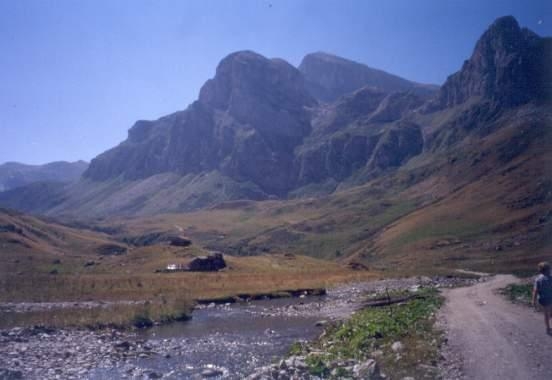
pixel 543 291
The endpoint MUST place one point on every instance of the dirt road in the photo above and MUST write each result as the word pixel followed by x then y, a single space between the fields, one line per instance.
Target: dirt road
pixel 491 338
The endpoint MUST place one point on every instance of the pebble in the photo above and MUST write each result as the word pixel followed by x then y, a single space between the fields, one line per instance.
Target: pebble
pixel 397 347
pixel 211 372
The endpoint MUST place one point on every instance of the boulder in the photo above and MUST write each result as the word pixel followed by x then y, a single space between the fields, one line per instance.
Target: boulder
pixel 367 370
pixel 353 265
pixel 397 347
pixel 211 372
pixel 211 263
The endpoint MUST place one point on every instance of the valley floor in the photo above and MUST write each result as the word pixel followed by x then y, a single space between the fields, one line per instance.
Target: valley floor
pixel 487 337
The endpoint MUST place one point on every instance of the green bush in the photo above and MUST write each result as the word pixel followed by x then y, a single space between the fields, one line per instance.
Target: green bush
pixel 519 292
pixel 317 366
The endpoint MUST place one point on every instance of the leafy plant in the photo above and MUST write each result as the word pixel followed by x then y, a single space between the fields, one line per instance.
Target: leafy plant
pixel 518 292
pixel 317 366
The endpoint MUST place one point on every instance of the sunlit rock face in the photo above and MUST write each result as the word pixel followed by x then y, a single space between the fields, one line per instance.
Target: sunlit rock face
pixel 508 66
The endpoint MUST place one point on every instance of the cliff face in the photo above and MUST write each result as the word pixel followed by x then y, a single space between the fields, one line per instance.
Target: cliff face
pixel 509 65
pixel 246 123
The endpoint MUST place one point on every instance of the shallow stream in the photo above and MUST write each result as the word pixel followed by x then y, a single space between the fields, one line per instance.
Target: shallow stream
pixel 224 341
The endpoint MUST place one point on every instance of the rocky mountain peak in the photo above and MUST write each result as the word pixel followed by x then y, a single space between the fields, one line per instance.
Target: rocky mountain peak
pixel 248 76
pixel 328 77
pixel 254 107
pixel 318 56
pixel 507 66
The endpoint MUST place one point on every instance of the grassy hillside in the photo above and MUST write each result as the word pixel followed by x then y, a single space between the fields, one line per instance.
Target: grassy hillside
pixel 482 201
pixel 45 261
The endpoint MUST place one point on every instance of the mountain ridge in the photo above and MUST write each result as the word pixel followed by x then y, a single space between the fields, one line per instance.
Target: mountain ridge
pixel 329 77
pixel 16 174
pixel 257 132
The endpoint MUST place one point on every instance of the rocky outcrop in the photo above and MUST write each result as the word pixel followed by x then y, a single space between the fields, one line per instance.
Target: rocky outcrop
pixel 211 263
pixel 158 237
pixel 345 154
pixel 354 107
pixel 329 77
pixel 336 158
pixel 509 65
pixel 179 241
pixel 396 145
pixel 395 106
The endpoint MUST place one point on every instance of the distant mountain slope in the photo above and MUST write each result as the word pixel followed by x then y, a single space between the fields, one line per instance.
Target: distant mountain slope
pixel 14 174
pixel 329 77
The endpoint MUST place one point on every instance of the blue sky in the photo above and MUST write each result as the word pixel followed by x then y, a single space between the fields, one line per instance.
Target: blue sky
pixel 75 75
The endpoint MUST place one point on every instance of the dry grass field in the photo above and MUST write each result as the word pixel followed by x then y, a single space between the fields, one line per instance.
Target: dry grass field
pixel 47 262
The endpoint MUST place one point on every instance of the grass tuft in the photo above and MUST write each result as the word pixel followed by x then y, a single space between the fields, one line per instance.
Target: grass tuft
pixel 520 293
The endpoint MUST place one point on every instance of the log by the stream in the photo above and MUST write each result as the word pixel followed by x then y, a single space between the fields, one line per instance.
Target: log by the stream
pixel 389 301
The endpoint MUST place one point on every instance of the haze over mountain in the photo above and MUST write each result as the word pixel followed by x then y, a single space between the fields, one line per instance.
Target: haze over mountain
pixel 258 131
pixel 15 174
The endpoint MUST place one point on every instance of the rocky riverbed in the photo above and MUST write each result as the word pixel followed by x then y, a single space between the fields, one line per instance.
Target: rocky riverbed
pixel 221 341
pixel 43 353
pixel 26 307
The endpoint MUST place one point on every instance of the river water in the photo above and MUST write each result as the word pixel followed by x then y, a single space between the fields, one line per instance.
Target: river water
pixel 225 341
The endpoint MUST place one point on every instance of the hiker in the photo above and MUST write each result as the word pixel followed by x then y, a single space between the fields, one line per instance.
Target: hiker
pixel 543 289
